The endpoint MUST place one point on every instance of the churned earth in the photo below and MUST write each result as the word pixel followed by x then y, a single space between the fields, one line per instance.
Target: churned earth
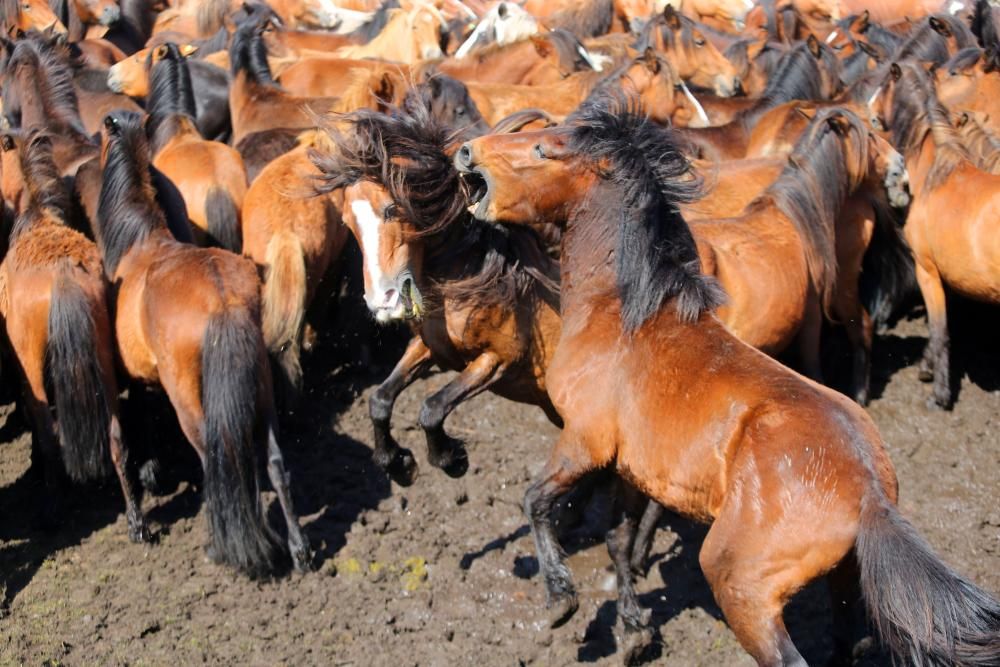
pixel 443 572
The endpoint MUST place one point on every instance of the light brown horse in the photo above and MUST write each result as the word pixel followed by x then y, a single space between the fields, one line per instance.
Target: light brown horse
pixel 793 476
pixel 54 305
pixel 209 174
pixel 970 81
pixel 188 319
pixel 951 226
pixel 25 15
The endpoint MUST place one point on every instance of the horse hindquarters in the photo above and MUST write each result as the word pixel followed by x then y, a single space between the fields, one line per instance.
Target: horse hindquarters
pixel 231 355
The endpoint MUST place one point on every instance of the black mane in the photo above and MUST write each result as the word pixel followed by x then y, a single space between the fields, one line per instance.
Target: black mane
pixel 797 76
pixel 472 263
pixel 927 43
pixel 655 254
pixel 43 185
pixel 368 31
pixel 248 52
pixel 52 79
pixel 170 93
pixel 127 212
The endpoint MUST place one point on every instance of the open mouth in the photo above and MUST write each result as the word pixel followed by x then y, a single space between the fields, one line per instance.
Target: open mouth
pixel 479 193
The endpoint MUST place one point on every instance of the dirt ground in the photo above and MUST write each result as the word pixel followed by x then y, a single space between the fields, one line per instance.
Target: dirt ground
pixel 443 573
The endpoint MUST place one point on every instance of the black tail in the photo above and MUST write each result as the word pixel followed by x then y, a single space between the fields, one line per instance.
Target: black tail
pixel 232 357
pixel 888 280
pixel 926 613
pixel 74 374
pixel 223 220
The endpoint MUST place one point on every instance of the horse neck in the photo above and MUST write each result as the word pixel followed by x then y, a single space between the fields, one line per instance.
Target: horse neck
pixel 169 128
pixel 919 161
pixel 588 244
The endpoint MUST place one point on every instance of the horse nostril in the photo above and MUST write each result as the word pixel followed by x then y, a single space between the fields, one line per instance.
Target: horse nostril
pixel 465 156
pixel 737 87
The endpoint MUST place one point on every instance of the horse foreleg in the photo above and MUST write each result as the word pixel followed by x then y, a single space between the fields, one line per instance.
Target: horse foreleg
pixel 137 529
pixel 809 338
pixel 298 543
pixel 936 353
pixel 556 479
pixel 396 461
pixel 644 537
pixel 444 451
pixel 620 541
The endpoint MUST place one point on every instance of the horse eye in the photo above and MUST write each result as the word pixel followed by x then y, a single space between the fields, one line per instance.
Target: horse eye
pixel 26 7
pixel 538 152
pixel 460 111
pixel 699 42
pixel 389 212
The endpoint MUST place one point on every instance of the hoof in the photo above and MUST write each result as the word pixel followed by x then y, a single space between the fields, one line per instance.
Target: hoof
pixel 634 644
pixel 140 533
pixel 403 468
pixel 451 458
pixel 153 478
pixel 459 464
pixel 561 609
pixel 302 560
pixel 938 403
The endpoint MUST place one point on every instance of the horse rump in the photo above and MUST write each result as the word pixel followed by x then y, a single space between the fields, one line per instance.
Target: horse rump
pixel 74 375
pixel 232 359
pixel 284 305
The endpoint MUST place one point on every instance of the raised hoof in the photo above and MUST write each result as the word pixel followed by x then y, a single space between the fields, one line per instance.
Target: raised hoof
pixel 634 644
pixel 561 609
pixel 139 533
pixel 403 468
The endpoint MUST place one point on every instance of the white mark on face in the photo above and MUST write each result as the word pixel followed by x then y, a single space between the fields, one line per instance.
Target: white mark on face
pixel 874 98
pixel 696 104
pixel 832 36
pixel 589 59
pixel 383 297
pixel 955 7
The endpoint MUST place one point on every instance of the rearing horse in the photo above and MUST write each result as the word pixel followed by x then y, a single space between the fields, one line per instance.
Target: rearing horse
pixel 793 476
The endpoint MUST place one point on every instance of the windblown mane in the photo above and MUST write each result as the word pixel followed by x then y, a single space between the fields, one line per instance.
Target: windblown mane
pixel 447 99
pixel 916 112
pixel 588 18
pixel 248 52
pixel 655 254
pixel 738 53
pixel 42 182
pixel 472 263
pixel 611 84
pixel 814 184
pixel 127 212
pixel 797 76
pixel 368 31
pixel 170 93
pixel 982 145
pixel 927 44
pixel 52 79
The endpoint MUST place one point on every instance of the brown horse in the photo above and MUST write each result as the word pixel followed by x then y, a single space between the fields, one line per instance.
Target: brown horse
pixel 794 477
pixel 86 18
pixel 210 175
pixel 295 240
pixel 970 81
pixel 690 54
pixel 951 226
pixel 188 319
pixel 24 15
pixel 54 304
pixel 983 147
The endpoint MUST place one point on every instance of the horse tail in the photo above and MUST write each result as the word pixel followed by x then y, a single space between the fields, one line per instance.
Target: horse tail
pixel 925 612
pixel 887 276
pixel 223 219
pixel 74 374
pixel 233 360
pixel 284 304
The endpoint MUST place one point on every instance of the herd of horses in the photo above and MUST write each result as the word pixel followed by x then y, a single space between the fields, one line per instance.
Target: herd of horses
pixel 619 211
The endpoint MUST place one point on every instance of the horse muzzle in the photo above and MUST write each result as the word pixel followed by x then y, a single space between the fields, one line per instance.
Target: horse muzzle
pixel 404 303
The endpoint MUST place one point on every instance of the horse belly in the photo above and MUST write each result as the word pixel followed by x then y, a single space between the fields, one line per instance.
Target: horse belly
pixel 966 255
pixel 133 348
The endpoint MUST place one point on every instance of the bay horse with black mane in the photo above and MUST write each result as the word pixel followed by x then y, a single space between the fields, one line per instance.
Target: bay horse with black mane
pixel 793 476
pixel 188 320
pixel 54 302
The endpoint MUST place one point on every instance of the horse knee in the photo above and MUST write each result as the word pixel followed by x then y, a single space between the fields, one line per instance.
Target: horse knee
pixel 431 415
pixel 380 407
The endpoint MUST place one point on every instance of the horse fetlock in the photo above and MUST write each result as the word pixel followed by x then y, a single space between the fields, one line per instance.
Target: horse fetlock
pixel 633 644
pixel 448 454
pixel 561 607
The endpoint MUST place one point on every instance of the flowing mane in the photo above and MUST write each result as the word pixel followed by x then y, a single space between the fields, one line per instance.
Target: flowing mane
pixel 929 40
pixel 410 154
pixel 170 94
pixel 797 76
pixel 655 255
pixel 248 52
pixel 917 113
pixel 52 77
pixel 127 212
pixel 813 185
pixel 46 193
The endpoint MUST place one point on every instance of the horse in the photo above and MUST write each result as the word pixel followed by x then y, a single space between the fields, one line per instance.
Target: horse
pixel 983 146
pixel 504 23
pixel 20 16
pixel 407 38
pixel 54 305
pixel 693 58
pixel 210 175
pixel 188 319
pixel 969 82
pixel 793 477
pixel 950 226
pixel 86 18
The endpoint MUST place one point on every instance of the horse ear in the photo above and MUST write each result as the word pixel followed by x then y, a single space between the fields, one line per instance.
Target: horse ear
pixel 160 53
pixel 673 20
pixel 870 51
pixel 837 123
pixel 814 46
pixel 863 22
pixel 756 48
pixel 940 27
pixel 188 50
pixel 435 85
pixel 963 119
pixel 895 71
pixel 7 142
pixel 651 60
pixel 542 45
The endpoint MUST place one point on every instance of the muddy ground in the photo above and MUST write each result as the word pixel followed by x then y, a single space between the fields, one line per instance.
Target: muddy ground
pixel 443 573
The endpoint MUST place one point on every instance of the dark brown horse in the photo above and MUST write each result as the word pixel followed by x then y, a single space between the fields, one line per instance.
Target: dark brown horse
pixel 793 476
pixel 188 320
pixel 54 304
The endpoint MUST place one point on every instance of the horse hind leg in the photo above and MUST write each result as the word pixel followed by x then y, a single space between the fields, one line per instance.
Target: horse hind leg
pixel 620 542
pixel 644 537
pixel 138 531
pixel 298 543
pixel 936 358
